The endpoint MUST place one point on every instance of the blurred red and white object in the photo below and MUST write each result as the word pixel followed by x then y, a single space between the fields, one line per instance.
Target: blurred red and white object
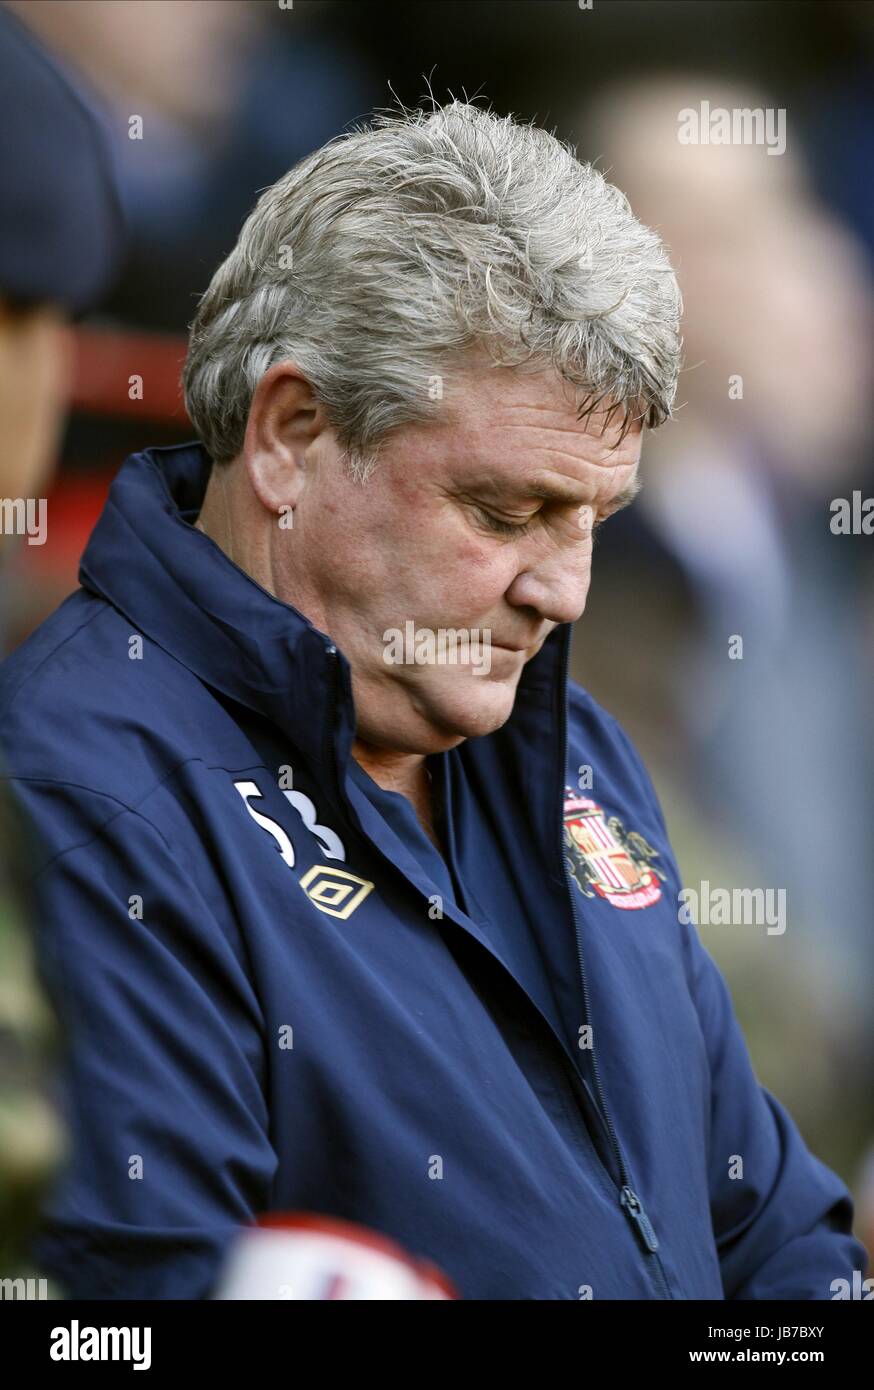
pixel 302 1255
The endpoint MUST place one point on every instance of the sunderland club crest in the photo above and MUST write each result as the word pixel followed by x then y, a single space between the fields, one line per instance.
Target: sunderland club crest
pixel 606 860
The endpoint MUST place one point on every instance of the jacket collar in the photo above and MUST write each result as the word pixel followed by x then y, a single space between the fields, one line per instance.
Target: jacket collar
pixel 176 586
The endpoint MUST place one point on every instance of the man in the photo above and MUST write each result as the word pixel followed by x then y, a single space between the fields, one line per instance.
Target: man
pixel 313 910
pixel 60 240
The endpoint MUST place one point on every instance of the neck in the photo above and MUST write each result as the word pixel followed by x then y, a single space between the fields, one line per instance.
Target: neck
pixel 406 773
pixel 233 518
pixel 392 770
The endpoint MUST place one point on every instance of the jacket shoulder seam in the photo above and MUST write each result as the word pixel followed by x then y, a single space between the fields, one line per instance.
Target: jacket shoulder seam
pixel 107 796
pixel 29 675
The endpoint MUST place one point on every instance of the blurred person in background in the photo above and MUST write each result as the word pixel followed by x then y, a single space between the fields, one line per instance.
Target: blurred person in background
pixel 229 94
pixel 772 752
pixel 207 101
pixel 60 244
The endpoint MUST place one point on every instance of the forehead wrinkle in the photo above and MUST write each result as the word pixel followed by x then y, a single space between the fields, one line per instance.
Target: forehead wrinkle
pixel 568 414
pixel 577 433
pixel 563 409
pixel 550 480
pixel 602 449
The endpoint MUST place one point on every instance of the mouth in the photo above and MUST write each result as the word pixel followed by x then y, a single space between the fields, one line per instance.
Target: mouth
pixel 528 647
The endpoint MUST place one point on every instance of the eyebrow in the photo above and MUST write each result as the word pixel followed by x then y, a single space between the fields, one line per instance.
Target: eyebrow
pixel 549 492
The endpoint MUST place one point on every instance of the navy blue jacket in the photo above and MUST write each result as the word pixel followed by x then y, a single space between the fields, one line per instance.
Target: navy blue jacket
pixel 267 1010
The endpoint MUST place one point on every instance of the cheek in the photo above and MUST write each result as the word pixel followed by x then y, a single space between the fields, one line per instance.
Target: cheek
pixel 475 576
pixel 447 578
pixel 477 559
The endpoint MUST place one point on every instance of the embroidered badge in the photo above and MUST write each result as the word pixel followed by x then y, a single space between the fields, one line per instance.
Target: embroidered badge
pixel 328 889
pixel 605 859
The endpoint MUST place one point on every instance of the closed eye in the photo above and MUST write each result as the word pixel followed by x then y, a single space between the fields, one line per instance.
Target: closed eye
pixel 519 528
pixel 504 527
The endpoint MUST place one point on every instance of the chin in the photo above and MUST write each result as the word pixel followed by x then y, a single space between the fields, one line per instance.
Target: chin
pixel 433 716
pixel 480 707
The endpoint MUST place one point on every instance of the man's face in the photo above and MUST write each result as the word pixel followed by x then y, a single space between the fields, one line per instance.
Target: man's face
pixel 450 532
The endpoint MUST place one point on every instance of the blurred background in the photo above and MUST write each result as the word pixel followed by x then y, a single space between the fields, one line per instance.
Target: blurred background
pixel 763 765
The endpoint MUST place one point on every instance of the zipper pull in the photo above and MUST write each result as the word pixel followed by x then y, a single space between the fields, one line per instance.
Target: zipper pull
pixel 639 1219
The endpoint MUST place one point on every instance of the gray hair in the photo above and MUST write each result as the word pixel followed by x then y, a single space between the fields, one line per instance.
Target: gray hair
pixel 380 259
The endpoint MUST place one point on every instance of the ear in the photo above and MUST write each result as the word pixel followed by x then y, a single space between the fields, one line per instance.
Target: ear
pixel 284 419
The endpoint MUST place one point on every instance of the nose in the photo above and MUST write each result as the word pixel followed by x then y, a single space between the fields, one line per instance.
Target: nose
pixel 556 588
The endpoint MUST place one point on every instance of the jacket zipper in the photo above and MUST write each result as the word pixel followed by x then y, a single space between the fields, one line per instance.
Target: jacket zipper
pixel 330 728
pixel 628 1198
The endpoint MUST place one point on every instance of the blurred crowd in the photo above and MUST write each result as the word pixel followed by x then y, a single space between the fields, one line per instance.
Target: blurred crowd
pixel 764 762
